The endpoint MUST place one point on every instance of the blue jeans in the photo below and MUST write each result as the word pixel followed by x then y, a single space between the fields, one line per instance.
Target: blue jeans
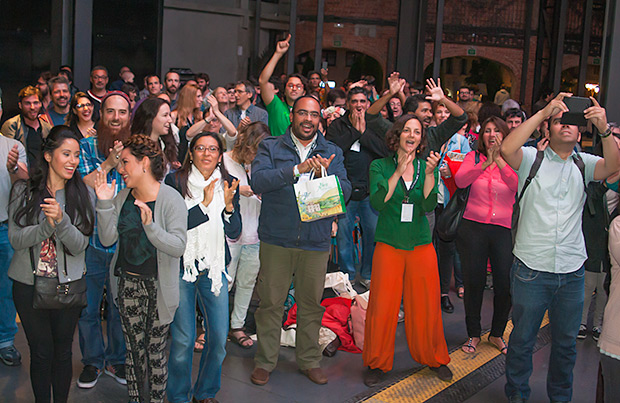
pixel 368 223
pixel 8 327
pixel 533 293
pixel 91 334
pixel 183 334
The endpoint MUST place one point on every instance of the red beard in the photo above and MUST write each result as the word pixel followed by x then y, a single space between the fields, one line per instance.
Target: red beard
pixel 106 137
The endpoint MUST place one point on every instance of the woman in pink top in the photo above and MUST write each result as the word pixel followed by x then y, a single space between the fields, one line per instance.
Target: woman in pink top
pixel 484 232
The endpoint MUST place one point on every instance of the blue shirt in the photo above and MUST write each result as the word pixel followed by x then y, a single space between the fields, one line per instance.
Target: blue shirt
pixel 90 159
pixel 549 237
pixel 57 118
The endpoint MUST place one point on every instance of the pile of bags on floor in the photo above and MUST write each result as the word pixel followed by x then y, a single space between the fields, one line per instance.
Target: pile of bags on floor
pixel 342 327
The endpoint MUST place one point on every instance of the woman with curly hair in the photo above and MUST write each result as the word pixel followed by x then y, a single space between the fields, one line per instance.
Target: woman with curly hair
pixel 151 231
pixel 403 188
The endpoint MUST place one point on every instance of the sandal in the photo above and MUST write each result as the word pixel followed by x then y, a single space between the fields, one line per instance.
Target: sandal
pixel 199 344
pixel 503 350
pixel 460 292
pixel 240 340
pixel 470 347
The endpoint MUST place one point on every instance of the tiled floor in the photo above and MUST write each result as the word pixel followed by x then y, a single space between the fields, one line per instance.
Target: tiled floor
pixel 288 385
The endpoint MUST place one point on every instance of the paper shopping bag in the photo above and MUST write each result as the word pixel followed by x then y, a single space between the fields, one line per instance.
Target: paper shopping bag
pixel 319 198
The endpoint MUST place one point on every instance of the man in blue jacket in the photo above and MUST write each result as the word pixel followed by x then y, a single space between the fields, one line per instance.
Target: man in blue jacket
pixel 288 245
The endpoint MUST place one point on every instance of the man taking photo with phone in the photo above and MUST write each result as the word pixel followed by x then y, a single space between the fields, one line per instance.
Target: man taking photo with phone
pixel 548 270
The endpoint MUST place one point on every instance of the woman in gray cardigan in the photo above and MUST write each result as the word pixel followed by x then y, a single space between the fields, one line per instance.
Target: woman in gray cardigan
pixel 50 220
pixel 151 231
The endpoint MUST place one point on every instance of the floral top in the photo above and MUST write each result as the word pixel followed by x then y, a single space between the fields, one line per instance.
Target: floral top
pixel 48 264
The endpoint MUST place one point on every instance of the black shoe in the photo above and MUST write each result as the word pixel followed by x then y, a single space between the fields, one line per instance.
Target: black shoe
pixel 10 356
pixel 596 333
pixel 446 304
pixel 89 377
pixel 117 372
pixel 373 377
pixel 442 372
pixel 583 332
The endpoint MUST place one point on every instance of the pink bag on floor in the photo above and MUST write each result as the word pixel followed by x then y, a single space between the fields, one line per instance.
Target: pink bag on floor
pixel 357 322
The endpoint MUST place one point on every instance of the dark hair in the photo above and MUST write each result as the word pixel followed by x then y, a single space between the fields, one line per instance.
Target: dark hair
pixel 229 86
pixel 249 87
pixel 77 200
pixel 412 103
pixel 312 72
pixel 142 146
pixel 203 76
pixel 182 174
pixel 46 75
pixel 99 68
pixel 303 79
pixel 418 86
pixel 334 94
pixel 277 84
pixel 355 91
pixel 66 73
pixel 143 124
pixel 151 75
pixel 58 80
pixel 488 109
pixel 248 140
pixel 514 113
pixel 305 97
pixel 392 137
pixel 499 123
pixel 171 71
pixel 72 118
pixel 129 87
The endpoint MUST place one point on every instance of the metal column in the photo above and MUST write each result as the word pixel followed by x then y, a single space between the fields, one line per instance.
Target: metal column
pixel 540 44
pixel 438 39
pixel 61 32
pixel 525 66
pixel 585 48
pixel 609 95
pixel 411 39
pixel 83 43
pixel 318 48
pixel 290 59
pixel 254 68
pixel 559 45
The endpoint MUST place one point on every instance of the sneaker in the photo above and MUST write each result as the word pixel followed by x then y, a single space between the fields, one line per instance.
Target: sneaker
pixel 89 377
pixel 583 331
pixel 365 283
pixel 10 356
pixel 117 372
pixel 596 333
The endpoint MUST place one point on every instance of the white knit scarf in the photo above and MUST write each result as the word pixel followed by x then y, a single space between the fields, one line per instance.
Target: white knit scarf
pixel 205 248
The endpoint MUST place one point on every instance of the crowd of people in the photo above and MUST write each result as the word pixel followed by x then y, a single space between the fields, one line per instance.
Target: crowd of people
pixel 93 183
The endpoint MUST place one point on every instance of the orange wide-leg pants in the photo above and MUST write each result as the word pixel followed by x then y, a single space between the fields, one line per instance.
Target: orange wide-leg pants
pixel 412 276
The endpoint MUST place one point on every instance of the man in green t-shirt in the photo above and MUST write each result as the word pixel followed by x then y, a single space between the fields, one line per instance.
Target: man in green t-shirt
pixel 280 111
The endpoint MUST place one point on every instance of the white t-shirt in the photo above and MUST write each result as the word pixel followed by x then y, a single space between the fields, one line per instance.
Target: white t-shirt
pixel 5 180
pixel 249 206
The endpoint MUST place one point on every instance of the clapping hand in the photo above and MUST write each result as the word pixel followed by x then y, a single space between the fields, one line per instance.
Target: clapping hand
pixel 52 210
pixel 403 162
pixel 208 194
pixel 146 214
pixel 431 162
pixel 102 189
pixel 229 193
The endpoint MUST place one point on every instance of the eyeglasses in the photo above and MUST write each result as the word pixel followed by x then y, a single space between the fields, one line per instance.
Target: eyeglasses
pixel 211 149
pixel 295 86
pixel 87 105
pixel 239 91
pixel 304 113
pixel 100 77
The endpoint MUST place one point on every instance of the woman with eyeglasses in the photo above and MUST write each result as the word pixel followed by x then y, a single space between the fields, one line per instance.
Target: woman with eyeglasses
pixel 212 203
pixel 151 232
pixel 80 116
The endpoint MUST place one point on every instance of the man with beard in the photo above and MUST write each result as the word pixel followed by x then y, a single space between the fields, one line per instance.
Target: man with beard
pixel 289 246
pixel 203 81
pixel 172 83
pixel 98 82
pixel 102 153
pixel 360 147
pixel 46 98
pixel 295 87
pixel 28 127
pixel 61 97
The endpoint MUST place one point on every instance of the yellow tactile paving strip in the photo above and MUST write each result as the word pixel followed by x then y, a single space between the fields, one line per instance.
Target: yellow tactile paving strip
pixel 423 385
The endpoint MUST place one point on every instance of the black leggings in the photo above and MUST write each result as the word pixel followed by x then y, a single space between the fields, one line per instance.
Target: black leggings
pixel 50 336
pixel 477 243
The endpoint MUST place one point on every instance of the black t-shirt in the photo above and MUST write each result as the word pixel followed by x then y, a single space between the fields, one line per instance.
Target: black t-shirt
pixel 137 256
pixel 34 147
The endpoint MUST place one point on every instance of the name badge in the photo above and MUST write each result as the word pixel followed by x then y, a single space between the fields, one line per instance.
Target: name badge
pixel 357 147
pixel 406 212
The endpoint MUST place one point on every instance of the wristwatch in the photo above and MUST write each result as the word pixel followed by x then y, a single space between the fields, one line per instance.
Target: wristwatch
pixel 14 170
pixel 606 133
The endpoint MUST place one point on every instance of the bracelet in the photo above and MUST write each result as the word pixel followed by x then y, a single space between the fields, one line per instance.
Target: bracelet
pixel 229 212
pixel 606 133
pixel 14 170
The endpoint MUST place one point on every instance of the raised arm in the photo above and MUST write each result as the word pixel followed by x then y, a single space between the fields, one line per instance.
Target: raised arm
pixel 266 92
pixel 511 146
pixel 609 164
pixel 396 85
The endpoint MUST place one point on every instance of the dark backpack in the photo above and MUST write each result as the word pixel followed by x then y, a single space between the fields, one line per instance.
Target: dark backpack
pixel 516 211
